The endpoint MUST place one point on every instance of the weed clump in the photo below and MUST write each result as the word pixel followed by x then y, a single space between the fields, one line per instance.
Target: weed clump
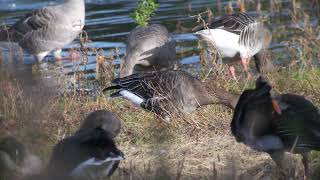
pixel 145 9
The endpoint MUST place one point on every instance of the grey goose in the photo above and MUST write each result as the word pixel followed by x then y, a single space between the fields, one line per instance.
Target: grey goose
pixel 90 153
pixel 276 123
pixel 149 48
pixel 165 92
pixel 235 34
pixel 47 29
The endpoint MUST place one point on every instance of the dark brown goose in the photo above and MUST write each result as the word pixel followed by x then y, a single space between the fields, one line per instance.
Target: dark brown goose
pixel 165 92
pixel 90 153
pixel 103 119
pixel 149 48
pixel 276 124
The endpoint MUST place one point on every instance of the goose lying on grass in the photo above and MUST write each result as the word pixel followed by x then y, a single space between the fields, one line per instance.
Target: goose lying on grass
pixel 235 34
pixel 164 92
pixel 47 29
pixel 276 124
pixel 149 48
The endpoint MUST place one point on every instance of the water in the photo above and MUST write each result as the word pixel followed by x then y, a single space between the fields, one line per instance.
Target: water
pixel 108 22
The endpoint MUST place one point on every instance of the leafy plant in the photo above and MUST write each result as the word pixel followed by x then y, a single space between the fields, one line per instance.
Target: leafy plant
pixel 145 9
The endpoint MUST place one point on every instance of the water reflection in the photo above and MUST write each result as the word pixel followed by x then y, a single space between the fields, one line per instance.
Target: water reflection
pixel 108 22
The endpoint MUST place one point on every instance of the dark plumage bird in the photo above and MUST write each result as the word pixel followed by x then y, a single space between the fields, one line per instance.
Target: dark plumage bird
pixel 149 48
pixel 90 153
pixel 47 29
pixel 235 34
pixel 275 124
pixel 103 119
pixel 165 92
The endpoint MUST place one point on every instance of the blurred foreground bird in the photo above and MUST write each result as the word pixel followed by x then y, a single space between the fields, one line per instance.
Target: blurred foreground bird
pixel 91 152
pixel 15 160
pixel 167 92
pixel 149 48
pixel 238 34
pixel 276 123
pixel 103 119
pixel 47 29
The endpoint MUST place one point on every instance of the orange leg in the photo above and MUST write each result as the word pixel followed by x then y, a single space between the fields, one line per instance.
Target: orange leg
pixel 232 72
pixel 245 64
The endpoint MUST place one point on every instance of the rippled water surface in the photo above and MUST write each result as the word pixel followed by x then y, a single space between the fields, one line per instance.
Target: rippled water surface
pixel 108 22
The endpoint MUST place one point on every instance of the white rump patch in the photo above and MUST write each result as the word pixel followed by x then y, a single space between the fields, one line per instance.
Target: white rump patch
pixel 41 55
pixel 226 42
pixel 25 22
pixel 132 97
pixel 93 168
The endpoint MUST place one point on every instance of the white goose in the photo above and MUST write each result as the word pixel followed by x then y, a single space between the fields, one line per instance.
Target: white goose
pixel 238 33
pixel 47 29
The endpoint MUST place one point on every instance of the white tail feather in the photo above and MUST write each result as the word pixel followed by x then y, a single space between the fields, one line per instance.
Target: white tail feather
pixel 132 97
pixel 95 168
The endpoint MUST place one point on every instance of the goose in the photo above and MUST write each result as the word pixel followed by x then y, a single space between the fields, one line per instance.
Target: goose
pixel 47 29
pixel 276 123
pixel 15 160
pixel 238 34
pixel 149 48
pixel 103 119
pixel 90 153
pixel 164 92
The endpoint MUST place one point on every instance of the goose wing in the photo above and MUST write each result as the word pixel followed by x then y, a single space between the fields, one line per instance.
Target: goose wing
pixel 299 123
pixel 234 23
pixel 140 84
pixel 258 97
pixel 147 90
pixel 37 19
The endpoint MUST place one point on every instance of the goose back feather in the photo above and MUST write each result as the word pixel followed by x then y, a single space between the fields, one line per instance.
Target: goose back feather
pixel 234 23
pixel 149 48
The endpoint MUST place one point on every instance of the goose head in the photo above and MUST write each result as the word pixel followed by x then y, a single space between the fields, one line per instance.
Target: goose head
pixel 103 119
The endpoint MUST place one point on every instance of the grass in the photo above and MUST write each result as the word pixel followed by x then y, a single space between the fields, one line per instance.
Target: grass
pixel 200 146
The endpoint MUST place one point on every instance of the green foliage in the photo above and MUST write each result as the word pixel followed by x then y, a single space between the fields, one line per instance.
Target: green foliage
pixel 145 9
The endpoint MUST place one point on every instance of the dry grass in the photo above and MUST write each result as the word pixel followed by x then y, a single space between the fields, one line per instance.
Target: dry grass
pixel 200 146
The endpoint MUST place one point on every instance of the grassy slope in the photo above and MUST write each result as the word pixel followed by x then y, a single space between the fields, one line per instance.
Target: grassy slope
pixel 193 146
